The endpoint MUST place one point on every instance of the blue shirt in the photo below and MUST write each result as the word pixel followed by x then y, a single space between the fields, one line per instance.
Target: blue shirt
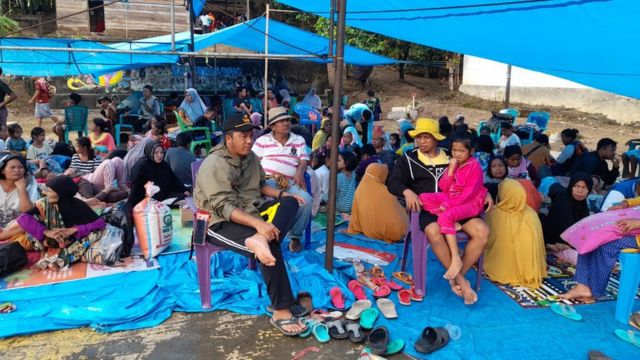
pixel 16 144
pixel 345 190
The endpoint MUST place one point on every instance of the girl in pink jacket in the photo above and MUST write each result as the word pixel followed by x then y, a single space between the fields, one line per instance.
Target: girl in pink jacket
pixel 461 195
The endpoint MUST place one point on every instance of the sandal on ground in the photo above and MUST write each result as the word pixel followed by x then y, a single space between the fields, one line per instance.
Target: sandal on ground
pixel 337 329
pixel 368 318
pixel 319 330
pixel 432 339
pixel 384 282
pixel 404 297
pixel 387 308
pixel 403 277
pixel 634 320
pixel 415 295
pixel 295 245
pixel 355 332
pixel 394 346
pixel 378 340
pixel 382 291
pixel 629 336
pixel 278 324
pixel 303 305
pixel 597 355
pixel 358 267
pixel 377 272
pixel 567 311
pixel 366 281
pixel 323 316
pixel 357 308
pixel 307 322
pixel 337 298
pixel 357 290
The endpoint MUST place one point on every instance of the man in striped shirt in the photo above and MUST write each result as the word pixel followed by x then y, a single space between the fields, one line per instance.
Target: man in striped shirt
pixel 284 157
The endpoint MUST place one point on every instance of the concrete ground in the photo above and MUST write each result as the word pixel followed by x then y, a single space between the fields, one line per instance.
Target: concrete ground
pixel 216 335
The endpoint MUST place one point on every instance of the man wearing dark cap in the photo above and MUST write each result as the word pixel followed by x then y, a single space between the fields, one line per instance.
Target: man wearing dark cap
pixel 230 186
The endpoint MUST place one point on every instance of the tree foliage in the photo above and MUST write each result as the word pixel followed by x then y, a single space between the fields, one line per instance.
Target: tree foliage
pixel 7 25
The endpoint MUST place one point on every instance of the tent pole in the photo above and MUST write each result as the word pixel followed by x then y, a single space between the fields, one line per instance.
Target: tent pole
pixel 173 25
pixel 331 23
pixel 265 84
pixel 335 128
pixel 192 59
pixel 507 92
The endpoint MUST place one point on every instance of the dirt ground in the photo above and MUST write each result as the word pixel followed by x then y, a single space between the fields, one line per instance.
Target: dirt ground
pixel 433 99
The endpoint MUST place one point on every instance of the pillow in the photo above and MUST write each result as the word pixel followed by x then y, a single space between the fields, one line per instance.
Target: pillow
pixel 596 230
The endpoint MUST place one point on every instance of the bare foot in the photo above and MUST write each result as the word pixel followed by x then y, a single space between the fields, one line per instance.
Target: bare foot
pixel 454 268
pixel 259 245
pixel 457 226
pixel 579 291
pixel 455 288
pixel 469 296
pixel 285 315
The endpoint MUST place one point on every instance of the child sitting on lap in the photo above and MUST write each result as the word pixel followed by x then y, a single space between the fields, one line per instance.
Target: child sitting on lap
pixel 462 195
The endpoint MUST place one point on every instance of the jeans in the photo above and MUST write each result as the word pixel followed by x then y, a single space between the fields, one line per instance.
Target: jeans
pixel 304 211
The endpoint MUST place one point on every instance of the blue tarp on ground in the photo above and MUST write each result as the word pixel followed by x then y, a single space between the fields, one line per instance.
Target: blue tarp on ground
pixel 283 40
pixel 592 42
pixel 494 328
pixel 66 63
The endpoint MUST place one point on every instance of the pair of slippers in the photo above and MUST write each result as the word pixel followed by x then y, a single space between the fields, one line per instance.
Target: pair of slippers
pixel 362 310
pixel 345 329
pixel 432 339
pixel 380 343
pixel 405 296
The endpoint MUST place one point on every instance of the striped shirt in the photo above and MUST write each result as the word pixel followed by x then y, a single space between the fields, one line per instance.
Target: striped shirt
pixel 276 158
pixel 83 167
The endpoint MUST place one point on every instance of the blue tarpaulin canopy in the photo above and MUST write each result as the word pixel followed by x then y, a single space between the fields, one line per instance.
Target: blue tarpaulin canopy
pixel 283 40
pixel 27 62
pixel 592 42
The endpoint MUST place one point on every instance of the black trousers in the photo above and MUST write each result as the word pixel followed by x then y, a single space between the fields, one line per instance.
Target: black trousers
pixel 232 236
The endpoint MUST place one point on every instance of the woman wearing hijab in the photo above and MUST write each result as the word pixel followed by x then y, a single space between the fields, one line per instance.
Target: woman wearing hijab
pixel 350 139
pixel 515 253
pixel 371 196
pixel 312 99
pixel 406 142
pixel 192 106
pixel 256 119
pixel 153 168
pixel 568 206
pixel 61 226
pixel 321 136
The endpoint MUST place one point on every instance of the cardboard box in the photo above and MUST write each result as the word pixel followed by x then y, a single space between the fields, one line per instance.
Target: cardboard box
pixel 186 216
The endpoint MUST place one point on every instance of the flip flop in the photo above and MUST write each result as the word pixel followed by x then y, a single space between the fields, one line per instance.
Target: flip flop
pixel 357 308
pixel 382 291
pixel 357 290
pixel 634 320
pixel 404 277
pixel 565 310
pixel 432 339
pixel 319 330
pixel 308 323
pixel 337 298
pixel 404 297
pixel 597 355
pixel 355 332
pixel 629 336
pixel 358 267
pixel 366 281
pixel 387 308
pixel 394 346
pixel 384 282
pixel 278 324
pixel 377 272
pixel 368 318
pixel 321 315
pixel 337 329
pixel 415 296
pixel 378 340
pixel 303 305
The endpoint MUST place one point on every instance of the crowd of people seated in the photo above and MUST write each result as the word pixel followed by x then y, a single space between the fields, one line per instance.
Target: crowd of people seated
pixel 512 201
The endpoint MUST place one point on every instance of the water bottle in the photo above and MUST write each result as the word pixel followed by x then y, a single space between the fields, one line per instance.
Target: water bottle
pixel 455 332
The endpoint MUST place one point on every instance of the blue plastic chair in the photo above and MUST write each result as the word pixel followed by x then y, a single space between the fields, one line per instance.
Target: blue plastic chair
pixel 628 287
pixel 309 116
pixel 227 108
pixel 540 119
pixel 121 125
pixel 75 119
pixel 511 111
pixel 256 103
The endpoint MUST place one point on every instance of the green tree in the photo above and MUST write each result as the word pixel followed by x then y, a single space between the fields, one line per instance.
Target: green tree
pixel 7 25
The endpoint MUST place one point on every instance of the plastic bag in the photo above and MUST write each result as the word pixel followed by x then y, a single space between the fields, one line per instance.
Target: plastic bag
pixel 120 216
pixel 107 249
pixel 153 223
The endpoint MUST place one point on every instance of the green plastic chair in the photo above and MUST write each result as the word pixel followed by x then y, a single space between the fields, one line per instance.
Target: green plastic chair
pixel 195 143
pixel 75 119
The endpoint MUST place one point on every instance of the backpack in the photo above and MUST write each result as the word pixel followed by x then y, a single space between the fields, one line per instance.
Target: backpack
pixel 12 258
pixel 120 216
